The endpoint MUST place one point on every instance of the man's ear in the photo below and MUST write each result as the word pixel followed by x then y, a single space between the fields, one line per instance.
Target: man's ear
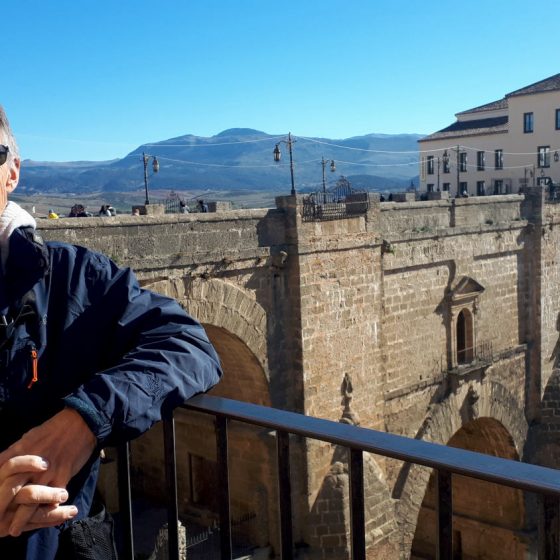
pixel 13 179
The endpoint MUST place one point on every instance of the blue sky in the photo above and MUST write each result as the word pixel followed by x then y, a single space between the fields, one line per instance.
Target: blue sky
pixel 93 80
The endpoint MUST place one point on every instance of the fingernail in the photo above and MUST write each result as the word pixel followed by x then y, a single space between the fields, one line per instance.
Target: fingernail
pixel 73 511
pixel 44 463
pixel 14 532
pixel 63 496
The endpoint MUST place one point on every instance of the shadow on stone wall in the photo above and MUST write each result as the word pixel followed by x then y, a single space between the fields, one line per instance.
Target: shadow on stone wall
pixel 329 519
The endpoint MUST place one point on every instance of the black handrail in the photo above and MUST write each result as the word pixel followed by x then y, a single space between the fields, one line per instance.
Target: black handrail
pixel 447 461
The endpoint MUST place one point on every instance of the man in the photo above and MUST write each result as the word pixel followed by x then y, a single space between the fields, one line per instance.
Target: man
pixel 87 359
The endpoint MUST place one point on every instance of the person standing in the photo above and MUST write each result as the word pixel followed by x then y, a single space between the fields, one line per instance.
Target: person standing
pixel 89 360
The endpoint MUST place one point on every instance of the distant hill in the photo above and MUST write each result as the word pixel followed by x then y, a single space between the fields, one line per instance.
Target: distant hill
pixel 237 159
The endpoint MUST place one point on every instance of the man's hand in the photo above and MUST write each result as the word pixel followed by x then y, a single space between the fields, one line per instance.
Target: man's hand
pixel 44 501
pixel 66 443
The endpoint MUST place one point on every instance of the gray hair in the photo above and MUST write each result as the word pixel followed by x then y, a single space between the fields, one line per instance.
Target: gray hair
pixel 6 134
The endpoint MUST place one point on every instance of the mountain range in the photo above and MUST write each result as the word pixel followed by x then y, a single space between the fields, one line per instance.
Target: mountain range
pixel 237 159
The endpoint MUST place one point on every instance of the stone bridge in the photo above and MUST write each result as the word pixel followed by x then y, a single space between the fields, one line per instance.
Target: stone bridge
pixel 437 320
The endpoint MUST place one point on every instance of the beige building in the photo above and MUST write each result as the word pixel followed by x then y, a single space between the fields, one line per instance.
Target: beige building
pixel 497 148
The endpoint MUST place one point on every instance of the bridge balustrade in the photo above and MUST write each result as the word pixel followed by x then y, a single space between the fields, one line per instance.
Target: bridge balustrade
pixel 447 462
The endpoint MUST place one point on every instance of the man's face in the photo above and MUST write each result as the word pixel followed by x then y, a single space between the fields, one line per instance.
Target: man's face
pixel 9 177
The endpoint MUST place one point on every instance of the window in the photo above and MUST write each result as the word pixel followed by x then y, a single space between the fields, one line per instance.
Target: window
pixel 445 162
pixel 543 157
pixel 498 159
pixel 465 350
pixel 527 122
pixel 480 161
pixel 498 186
pixel 430 187
pixel 557 119
pixel 480 188
pixel 430 165
pixel 446 186
pixel 463 161
pixel 464 188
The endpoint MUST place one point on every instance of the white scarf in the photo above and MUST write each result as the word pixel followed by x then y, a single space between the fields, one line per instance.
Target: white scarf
pixel 13 217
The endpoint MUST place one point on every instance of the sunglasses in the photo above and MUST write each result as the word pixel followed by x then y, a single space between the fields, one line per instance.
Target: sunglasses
pixel 3 154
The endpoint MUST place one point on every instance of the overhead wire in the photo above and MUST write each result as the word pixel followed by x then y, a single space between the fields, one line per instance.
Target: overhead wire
pixel 451 148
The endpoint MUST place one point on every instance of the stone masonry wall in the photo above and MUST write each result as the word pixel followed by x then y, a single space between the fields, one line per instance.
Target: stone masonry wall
pixel 399 218
pixel 416 281
pixel 334 301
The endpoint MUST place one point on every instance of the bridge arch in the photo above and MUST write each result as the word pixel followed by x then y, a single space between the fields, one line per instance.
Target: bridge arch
pixel 480 408
pixel 219 303
pixel 236 326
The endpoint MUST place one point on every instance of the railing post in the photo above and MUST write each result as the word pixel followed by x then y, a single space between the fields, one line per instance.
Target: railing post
pixel 171 481
pixel 549 527
pixel 357 515
pixel 125 500
pixel 223 484
pixel 285 494
pixel 444 550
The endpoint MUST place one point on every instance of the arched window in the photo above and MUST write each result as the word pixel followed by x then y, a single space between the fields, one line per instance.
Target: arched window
pixel 465 350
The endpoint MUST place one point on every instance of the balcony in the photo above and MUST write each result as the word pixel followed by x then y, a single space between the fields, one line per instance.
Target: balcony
pixel 447 462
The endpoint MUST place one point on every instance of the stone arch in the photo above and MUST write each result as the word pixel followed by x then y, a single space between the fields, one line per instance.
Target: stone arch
pixel 487 518
pixel 470 402
pixel 244 378
pixel 222 304
pixel 236 326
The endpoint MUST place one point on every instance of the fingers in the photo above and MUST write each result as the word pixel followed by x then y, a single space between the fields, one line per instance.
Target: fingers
pixel 38 494
pixel 9 489
pixel 15 473
pixel 43 516
pixel 21 518
pixel 21 464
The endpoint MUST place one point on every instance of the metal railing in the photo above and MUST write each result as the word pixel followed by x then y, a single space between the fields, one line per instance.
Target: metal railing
pixel 334 205
pixel 467 358
pixel 445 460
pixel 482 353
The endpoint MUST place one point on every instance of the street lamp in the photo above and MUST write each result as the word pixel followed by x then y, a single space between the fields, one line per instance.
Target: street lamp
pixel 333 169
pixel 155 167
pixel 277 155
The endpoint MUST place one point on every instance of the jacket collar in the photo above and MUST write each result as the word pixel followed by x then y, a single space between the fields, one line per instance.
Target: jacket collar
pixel 28 261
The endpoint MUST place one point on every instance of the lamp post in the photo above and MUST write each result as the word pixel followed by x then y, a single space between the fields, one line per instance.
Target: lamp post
pixel 277 156
pixel 333 169
pixel 155 167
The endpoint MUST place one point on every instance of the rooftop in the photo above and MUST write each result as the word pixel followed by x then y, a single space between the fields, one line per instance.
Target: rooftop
pixel 548 84
pixel 495 124
pixel 499 104
pixel 467 128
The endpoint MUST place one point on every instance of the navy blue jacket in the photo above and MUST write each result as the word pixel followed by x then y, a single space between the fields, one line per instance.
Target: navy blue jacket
pixel 86 336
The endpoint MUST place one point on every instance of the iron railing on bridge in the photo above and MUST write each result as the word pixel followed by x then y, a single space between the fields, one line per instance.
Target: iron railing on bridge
pixel 447 462
pixel 336 204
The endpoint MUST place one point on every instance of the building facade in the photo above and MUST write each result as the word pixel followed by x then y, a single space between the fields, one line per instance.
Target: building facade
pixel 497 148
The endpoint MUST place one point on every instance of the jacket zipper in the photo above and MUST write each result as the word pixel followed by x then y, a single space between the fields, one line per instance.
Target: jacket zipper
pixel 34 367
